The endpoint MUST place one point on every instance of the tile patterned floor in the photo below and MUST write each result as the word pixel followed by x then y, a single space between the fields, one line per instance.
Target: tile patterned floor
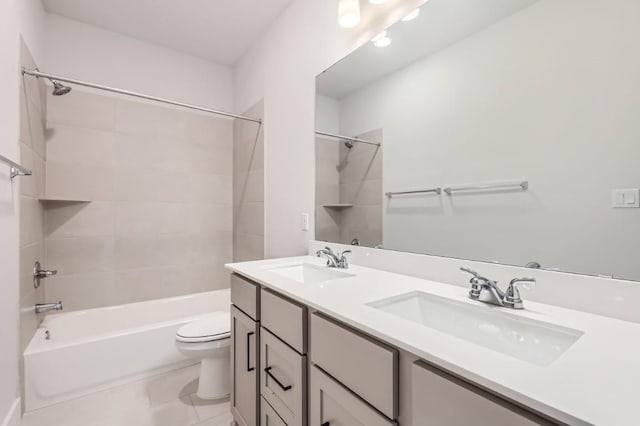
pixel 165 400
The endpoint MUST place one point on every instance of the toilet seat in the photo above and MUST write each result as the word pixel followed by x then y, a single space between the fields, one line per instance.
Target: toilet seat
pixel 210 328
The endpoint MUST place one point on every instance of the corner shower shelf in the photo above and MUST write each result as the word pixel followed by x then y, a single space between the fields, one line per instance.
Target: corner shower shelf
pixel 337 206
pixel 53 199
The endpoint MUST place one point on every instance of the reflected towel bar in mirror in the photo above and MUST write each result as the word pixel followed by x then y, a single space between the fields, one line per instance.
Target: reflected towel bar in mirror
pixel 524 185
pixel 15 168
pixel 422 191
pixel 347 138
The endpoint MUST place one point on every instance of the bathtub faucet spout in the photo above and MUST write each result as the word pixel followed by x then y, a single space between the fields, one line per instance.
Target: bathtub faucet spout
pixel 46 307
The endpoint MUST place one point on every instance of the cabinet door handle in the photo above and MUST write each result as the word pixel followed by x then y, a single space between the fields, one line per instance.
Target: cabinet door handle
pixel 249 368
pixel 270 374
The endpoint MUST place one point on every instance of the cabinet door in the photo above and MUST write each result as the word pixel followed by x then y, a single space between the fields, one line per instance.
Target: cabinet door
pixel 439 399
pixel 283 379
pixel 331 404
pixel 268 416
pixel 244 364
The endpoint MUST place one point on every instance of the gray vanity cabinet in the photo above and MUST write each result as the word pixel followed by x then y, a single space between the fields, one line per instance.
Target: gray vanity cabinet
pixel 365 366
pixel 331 404
pixel 283 362
pixel 268 416
pixel 244 365
pixel 245 350
pixel 439 399
pixel 292 367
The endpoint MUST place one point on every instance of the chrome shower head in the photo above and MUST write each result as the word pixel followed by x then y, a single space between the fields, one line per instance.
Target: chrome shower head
pixel 348 144
pixel 60 89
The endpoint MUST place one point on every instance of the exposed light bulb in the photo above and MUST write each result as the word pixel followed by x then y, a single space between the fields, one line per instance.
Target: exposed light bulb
pixel 411 16
pixel 381 40
pixel 348 13
pixel 377 1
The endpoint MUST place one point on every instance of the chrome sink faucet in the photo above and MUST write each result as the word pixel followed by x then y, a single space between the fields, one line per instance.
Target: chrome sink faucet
pixel 487 290
pixel 335 260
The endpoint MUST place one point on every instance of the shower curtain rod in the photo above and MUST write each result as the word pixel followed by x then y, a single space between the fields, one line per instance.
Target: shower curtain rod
pixel 37 73
pixel 347 138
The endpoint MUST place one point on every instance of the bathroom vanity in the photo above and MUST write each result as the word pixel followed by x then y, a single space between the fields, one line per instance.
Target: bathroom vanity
pixel 323 346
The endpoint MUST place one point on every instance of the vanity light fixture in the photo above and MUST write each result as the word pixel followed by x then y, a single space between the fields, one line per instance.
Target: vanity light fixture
pixel 348 13
pixel 381 40
pixel 411 16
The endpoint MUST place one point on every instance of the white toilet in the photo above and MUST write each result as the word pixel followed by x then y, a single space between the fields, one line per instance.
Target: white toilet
pixel 208 339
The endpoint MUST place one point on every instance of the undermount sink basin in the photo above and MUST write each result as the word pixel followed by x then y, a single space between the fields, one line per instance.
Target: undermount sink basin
pixel 529 340
pixel 307 273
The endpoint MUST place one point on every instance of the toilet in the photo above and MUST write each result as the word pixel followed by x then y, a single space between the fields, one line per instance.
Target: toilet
pixel 208 339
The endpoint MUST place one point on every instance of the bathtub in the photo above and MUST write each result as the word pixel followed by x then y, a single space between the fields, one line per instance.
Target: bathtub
pixel 92 350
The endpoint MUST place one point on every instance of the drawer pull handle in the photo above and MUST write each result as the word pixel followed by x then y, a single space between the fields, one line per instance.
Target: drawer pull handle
pixel 249 368
pixel 270 374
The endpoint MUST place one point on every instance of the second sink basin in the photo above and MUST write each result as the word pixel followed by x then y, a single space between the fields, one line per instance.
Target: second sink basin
pixel 307 273
pixel 533 341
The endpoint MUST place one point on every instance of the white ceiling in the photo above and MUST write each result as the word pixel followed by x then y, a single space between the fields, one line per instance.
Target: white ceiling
pixel 217 30
pixel 441 23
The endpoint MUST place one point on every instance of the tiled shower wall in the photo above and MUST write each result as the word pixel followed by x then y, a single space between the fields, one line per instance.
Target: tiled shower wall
pixel 32 156
pixel 350 177
pixel 248 188
pixel 328 220
pixel 361 185
pixel 152 215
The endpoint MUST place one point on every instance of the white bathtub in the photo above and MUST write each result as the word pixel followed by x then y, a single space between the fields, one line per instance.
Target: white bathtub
pixel 95 349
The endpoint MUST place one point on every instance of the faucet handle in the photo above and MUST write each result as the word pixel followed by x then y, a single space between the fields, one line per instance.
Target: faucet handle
pixel 470 271
pixel 512 297
pixel 343 262
pixel 477 282
pixel 477 278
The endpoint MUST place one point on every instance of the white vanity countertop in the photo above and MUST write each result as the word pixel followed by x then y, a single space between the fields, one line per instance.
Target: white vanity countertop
pixel 596 381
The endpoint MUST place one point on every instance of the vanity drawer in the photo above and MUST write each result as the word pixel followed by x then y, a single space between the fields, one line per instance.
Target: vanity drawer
pixel 437 398
pixel 331 403
pixel 366 367
pixel 283 380
pixel 268 416
pixel 245 294
pixel 284 318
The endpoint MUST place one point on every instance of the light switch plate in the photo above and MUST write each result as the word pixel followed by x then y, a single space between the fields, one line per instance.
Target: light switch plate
pixel 625 198
pixel 305 221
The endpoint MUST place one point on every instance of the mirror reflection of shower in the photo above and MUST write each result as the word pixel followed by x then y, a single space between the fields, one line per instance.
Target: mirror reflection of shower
pixel 349 188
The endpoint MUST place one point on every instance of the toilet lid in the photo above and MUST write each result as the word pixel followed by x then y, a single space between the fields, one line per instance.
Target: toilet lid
pixel 215 326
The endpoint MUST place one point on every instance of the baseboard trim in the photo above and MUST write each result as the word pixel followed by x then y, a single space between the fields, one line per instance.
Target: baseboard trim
pixel 13 416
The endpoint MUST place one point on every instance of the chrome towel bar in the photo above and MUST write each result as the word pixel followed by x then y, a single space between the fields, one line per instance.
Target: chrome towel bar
pixel 346 138
pixel 15 169
pixel 421 191
pixel 524 185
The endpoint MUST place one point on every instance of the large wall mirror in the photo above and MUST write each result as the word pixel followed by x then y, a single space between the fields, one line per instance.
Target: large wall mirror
pixel 495 130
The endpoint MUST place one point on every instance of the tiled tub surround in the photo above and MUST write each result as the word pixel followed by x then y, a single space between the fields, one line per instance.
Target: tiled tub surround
pixel 96 349
pixel 32 232
pixel 361 185
pixel 351 179
pixel 248 187
pixel 159 182
pixel 575 388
